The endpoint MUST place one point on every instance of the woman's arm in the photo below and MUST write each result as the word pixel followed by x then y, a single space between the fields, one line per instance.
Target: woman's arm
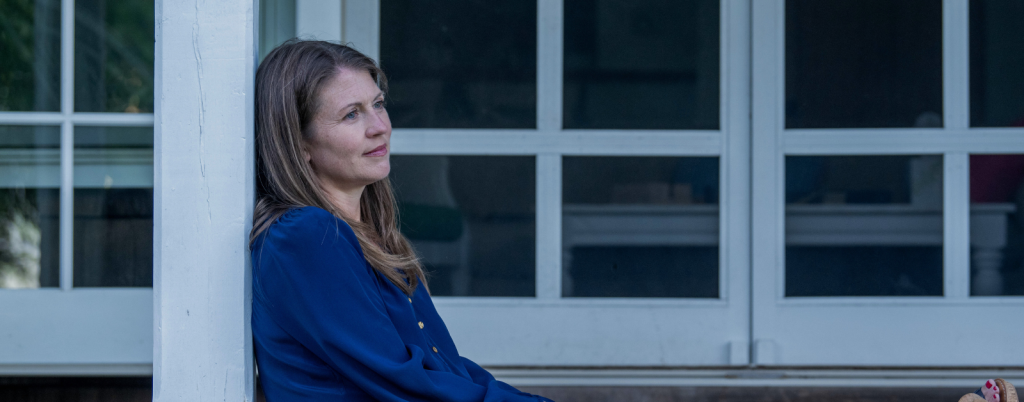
pixel 321 291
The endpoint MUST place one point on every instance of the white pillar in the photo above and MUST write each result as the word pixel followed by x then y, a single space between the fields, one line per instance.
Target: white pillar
pixel 205 68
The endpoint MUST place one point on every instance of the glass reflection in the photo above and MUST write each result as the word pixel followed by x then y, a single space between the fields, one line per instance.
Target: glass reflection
pixel 471 220
pixel 864 226
pixel 997 58
pixel 863 63
pixel 30 55
pixel 460 63
pixel 114 56
pixel 113 235
pixel 640 227
pixel 277 24
pixel 650 64
pixel 29 206
pixel 997 225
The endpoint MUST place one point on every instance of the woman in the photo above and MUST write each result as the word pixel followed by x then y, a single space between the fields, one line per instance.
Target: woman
pixel 340 307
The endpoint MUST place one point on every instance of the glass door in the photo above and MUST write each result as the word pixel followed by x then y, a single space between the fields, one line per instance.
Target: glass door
pixel 885 231
pixel 574 175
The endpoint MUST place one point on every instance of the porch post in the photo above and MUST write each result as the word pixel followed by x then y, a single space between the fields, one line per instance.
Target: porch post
pixel 203 199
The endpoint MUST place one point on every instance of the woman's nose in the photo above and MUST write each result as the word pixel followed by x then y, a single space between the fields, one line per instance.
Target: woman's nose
pixel 379 124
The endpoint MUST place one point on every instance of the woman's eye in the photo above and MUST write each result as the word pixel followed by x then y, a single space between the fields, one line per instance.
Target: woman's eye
pixel 379 104
pixel 350 115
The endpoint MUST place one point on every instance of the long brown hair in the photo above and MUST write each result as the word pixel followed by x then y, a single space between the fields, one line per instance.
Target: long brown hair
pixel 288 85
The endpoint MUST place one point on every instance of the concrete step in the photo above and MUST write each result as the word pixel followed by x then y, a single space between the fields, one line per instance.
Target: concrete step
pixel 747 394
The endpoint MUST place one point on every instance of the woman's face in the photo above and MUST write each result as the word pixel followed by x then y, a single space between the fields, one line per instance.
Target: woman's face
pixel 351 138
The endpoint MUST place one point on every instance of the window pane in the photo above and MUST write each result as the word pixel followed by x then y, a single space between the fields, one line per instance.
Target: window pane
pixel 29 207
pixel 113 239
pixel 277 24
pixel 997 225
pixel 472 221
pixel 640 227
pixel 460 63
pixel 997 59
pixel 650 64
pixel 863 63
pixel 114 56
pixel 864 226
pixel 30 55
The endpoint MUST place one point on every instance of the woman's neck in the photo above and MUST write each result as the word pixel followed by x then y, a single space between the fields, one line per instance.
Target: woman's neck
pixel 347 201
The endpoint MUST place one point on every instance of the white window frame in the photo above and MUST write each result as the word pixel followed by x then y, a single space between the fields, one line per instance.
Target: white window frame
pixel 874 331
pixel 548 330
pixel 68 330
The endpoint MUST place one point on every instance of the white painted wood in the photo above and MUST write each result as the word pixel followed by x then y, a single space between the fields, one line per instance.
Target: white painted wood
pixel 891 334
pixel 955 63
pixel 585 333
pixel 77 370
pixel 318 19
pixel 956 222
pixel 566 142
pixel 764 352
pixel 67 57
pixel 902 141
pixel 361 27
pixel 549 64
pixel 735 199
pixel 768 27
pixel 78 119
pixel 113 119
pixel 34 118
pixel 203 195
pixel 739 353
pixel 90 326
pixel 67 136
pixel 67 202
pixel 549 226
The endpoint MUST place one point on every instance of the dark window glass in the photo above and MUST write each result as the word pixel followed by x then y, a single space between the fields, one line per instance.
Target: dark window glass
pixel 650 64
pixel 29 206
pixel 863 63
pixel 30 55
pixel 864 226
pixel 997 225
pixel 277 24
pixel 113 236
pixel 114 56
pixel 640 227
pixel 471 220
pixel 460 63
pixel 997 60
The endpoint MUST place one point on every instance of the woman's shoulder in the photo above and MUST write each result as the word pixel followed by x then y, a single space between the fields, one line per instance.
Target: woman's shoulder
pixel 310 226
pixel 305 215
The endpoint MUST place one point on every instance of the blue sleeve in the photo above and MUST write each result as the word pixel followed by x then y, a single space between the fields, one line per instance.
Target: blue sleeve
pixel 483 377
pixel 323 293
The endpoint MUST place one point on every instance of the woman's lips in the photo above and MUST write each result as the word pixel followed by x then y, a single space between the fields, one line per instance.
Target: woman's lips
pixel 379 151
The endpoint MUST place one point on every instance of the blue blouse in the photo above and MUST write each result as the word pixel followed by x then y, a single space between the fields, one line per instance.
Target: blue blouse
pixel 327 326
